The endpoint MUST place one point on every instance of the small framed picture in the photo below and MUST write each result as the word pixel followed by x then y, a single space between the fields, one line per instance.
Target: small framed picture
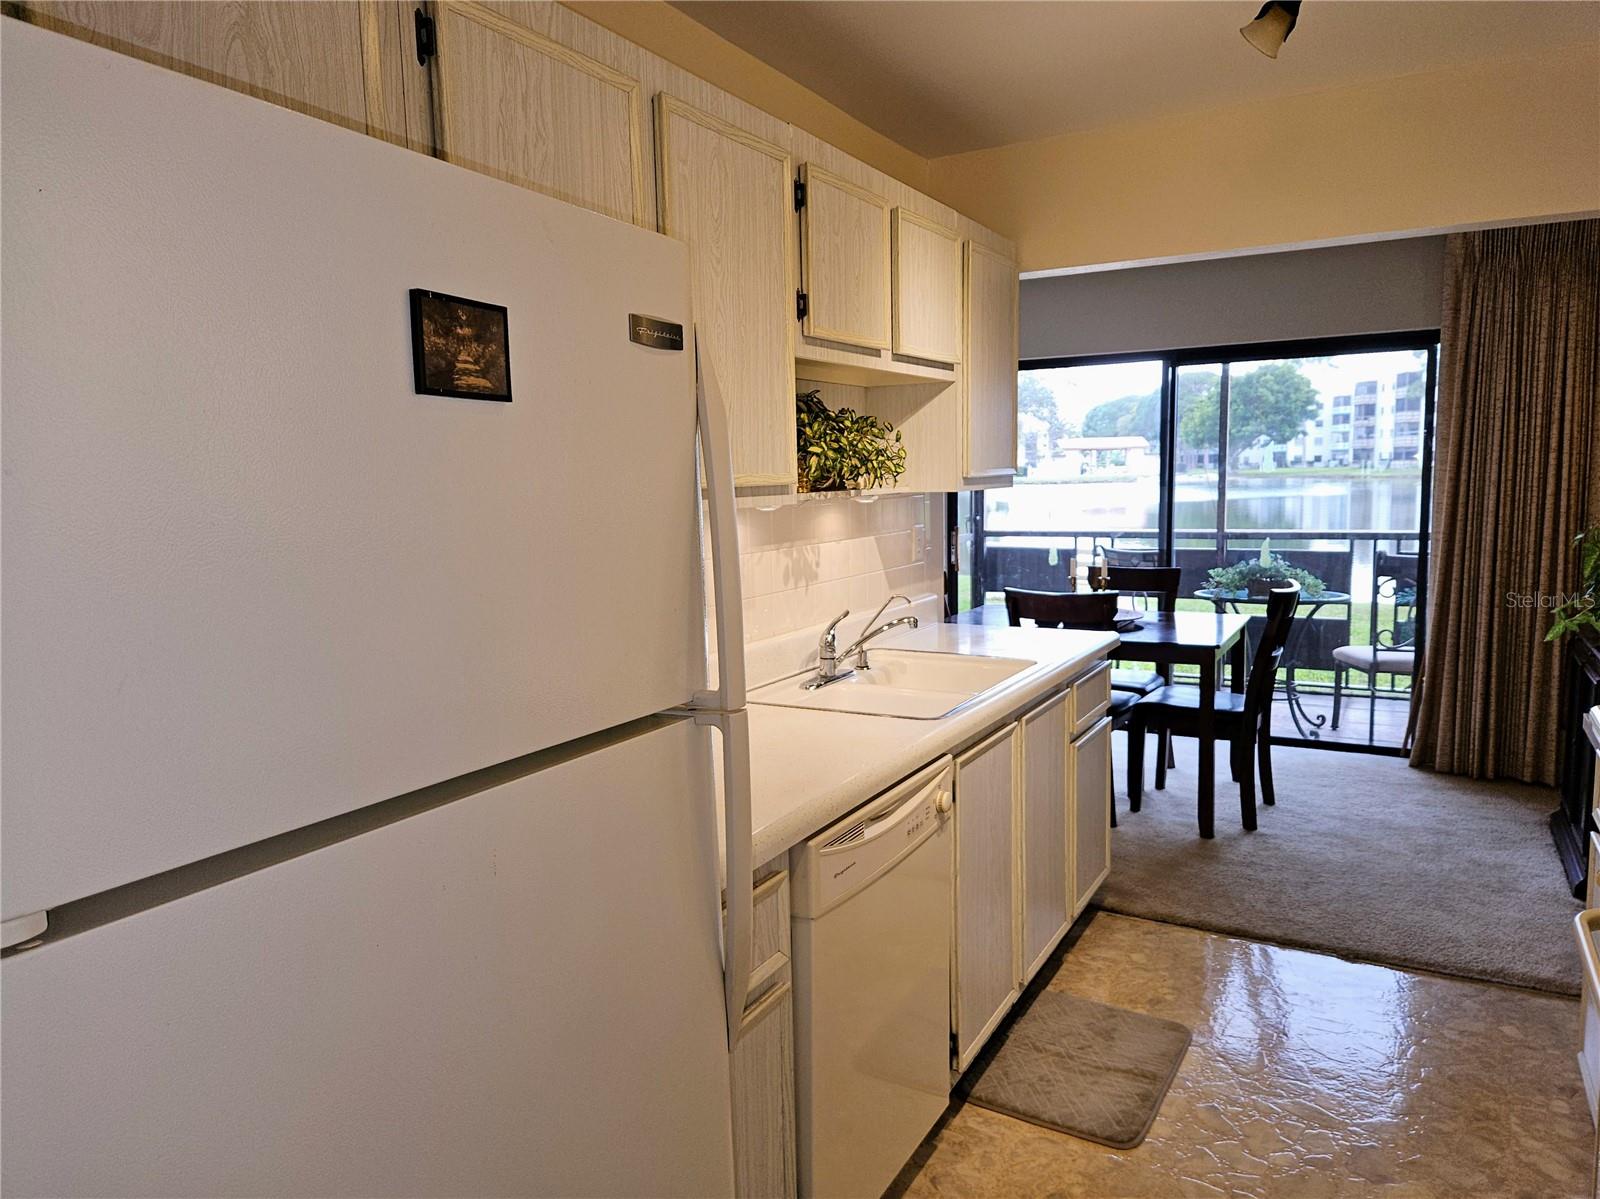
pixel 460 348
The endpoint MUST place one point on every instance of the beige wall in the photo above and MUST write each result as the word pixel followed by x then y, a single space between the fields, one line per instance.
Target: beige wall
pixel 663 30
pixel 1502 142
pixel 1498 142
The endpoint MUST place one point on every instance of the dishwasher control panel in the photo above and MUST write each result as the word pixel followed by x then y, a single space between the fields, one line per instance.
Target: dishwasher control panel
pixel 848 855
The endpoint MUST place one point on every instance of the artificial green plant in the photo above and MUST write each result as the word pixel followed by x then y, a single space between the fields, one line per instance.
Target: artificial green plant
pixel 1580 612
pixel 1266 567
pixel 841 449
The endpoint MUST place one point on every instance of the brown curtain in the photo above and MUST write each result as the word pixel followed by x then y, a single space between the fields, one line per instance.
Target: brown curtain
pixel 1515 480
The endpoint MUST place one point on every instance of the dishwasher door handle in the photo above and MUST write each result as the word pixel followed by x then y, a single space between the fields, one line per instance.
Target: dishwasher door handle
pixel 878 825
pixel 860 849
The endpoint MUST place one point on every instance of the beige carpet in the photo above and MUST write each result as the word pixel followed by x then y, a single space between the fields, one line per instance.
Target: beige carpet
pixel 1363 857
pixel 1082 1068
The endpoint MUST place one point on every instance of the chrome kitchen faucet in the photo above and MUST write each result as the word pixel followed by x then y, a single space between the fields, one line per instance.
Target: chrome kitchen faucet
pixel 829 654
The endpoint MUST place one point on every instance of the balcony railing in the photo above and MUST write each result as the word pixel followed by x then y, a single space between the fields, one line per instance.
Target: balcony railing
pixel 1378 611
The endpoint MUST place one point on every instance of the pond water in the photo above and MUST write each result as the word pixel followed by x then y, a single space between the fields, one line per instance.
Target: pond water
pixel 1284 500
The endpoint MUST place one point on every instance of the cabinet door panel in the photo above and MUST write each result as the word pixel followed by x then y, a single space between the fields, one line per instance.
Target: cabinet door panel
pixel 514 104
pixel 986 969
pixel 1043 837
pixel 317 58
pixel 991 362
pixel 728 194
pixel 1090 764
pixel 844 236
pixel 927 288
pixel 763 1100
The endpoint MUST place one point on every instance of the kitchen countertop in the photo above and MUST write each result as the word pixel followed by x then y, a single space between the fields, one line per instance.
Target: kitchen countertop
pixel 808 768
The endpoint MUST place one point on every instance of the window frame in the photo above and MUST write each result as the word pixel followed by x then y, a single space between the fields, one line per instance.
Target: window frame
pixel 1340 443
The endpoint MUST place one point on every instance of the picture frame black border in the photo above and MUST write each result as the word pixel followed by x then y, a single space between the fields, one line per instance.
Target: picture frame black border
pixel 418 364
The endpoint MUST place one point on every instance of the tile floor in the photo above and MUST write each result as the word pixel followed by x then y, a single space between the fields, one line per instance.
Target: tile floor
pixel 1308 1076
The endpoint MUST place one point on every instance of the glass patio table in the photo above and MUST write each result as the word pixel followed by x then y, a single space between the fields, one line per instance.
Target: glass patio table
pixel 1307 725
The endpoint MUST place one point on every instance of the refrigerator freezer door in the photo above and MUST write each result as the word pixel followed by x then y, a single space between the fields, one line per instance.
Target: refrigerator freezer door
pixel 518 992
pixel 254 579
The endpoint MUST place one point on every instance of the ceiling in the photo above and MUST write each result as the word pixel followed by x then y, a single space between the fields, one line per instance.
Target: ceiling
pixel 946 76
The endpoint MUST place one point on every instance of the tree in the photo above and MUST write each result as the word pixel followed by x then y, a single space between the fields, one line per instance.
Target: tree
pixel 1127 416
pixel 1199 400
pixel 1269 405
pixel 1035 399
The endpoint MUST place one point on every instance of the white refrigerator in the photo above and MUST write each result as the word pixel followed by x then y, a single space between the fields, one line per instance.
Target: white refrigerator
pixel 359 832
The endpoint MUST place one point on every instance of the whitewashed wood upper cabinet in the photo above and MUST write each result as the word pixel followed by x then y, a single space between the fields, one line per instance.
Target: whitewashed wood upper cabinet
pixel 985 974
pixel 728 193
pixel 1089 771
pixel 927 288
pixel 844 255
pixel 990 425
pixel 905 298
pixel 339 61
pixel 515 104
pixel 1044 864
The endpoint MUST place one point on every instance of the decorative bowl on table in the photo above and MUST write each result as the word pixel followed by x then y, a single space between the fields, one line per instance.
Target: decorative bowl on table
pixel 1129 619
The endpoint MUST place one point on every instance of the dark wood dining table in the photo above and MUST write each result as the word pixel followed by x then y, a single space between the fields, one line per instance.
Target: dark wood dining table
pixel 1198 639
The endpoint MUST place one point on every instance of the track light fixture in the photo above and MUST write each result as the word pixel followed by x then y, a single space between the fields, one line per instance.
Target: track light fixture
pixel 1272 26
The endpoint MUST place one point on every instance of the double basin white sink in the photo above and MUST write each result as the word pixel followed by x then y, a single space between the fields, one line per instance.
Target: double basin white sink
pixel 911 684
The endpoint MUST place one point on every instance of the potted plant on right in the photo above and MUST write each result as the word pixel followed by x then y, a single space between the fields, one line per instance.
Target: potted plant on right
pixel 1580 612
pixel 1254 578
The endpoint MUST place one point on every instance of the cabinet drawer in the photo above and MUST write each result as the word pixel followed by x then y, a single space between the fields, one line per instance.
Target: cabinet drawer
pixel 1091 697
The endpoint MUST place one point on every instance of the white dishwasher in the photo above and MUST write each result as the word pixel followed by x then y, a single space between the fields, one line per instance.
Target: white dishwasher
pixel 872 913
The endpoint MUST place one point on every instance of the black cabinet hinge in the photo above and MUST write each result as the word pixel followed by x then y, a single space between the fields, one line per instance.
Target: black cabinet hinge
pixel 799 194
pixel 427 38
pixel 802 305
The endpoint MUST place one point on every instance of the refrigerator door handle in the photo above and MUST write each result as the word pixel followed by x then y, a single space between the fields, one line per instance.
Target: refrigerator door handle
pixel 717 462
pixel 739 917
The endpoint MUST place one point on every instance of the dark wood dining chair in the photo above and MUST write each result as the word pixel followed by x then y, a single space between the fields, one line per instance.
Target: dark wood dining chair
pixel 1062 609
pixel 1116 557
pixel 1244 721
pixel 1095 610
pixel 1160 583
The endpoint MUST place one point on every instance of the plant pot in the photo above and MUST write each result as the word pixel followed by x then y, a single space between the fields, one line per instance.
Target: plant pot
pixel 1260 589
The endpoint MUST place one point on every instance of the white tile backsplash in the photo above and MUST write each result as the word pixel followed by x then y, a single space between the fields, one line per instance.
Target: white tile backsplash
pixel 811 557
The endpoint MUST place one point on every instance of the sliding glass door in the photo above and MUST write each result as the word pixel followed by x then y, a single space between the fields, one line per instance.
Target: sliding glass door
pixel 1310 464
pixel 1308 459
pixel 1090 484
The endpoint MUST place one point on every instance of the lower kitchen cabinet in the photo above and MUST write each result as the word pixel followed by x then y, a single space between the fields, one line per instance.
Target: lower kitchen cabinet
pixel 984 982
pixel 1033 844
pixel 763 1056
pixel 1042 832
pixel 763 1099
pixel 1089 774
